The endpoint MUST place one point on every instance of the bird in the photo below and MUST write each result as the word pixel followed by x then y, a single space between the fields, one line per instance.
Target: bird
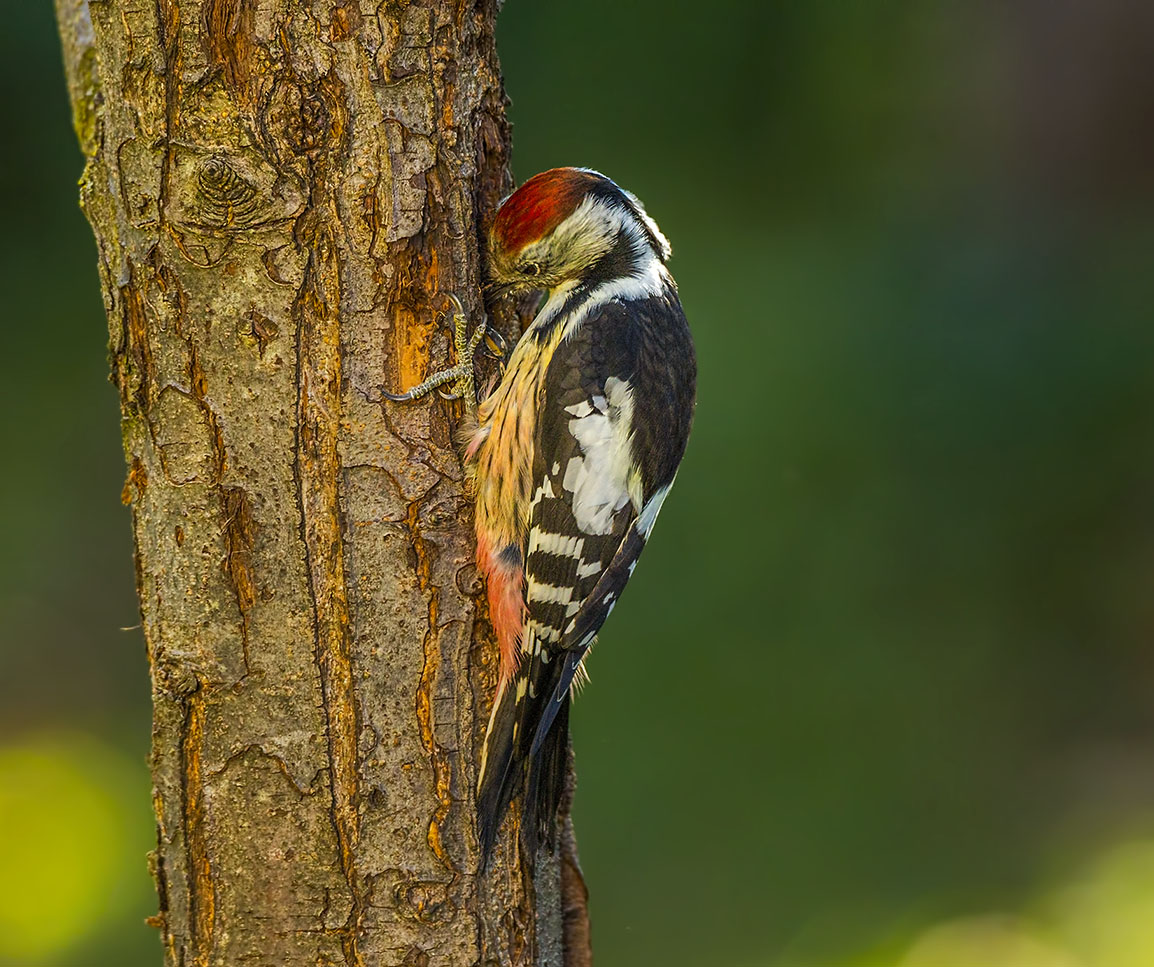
pixel 569 460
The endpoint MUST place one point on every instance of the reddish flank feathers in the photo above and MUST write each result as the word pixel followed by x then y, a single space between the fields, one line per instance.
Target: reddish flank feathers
pixel 540 205
pixel 506 603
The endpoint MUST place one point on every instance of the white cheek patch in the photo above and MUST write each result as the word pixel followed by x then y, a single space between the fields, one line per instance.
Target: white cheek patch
pixel 651 278
pixel 588 233
pixel 599 477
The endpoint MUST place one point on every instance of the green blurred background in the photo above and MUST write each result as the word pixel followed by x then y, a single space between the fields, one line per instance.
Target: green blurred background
pixel 883 693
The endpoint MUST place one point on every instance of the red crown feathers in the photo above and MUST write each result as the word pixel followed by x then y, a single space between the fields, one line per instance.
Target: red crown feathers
pixel 540 205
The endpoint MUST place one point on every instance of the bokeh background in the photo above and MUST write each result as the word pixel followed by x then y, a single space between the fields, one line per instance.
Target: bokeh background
pixel 883 693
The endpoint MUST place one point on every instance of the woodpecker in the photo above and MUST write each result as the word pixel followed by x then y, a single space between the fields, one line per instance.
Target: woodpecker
pixel 570 459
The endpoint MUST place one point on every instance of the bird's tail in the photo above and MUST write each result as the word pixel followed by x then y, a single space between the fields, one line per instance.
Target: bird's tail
pixel 526 752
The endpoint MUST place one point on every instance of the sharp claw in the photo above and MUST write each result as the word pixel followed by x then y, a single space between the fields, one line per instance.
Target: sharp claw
pixel 398 397
pixel 495 345
pixel 448 396
pixel 449 319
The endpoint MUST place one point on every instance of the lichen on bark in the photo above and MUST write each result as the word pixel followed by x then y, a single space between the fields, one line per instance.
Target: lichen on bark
pixel 282 195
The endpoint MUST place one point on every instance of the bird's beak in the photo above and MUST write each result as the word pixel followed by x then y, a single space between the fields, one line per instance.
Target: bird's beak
pixel 497 290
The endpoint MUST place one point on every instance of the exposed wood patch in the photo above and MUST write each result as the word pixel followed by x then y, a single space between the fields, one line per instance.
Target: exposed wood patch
pixel 201 892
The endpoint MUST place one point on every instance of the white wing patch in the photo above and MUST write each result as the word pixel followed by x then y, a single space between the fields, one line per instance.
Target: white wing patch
pixel 545 490
pixel 541 633
pixel 599 478
pixel 588 568
pixel 558 544
pixel 549 594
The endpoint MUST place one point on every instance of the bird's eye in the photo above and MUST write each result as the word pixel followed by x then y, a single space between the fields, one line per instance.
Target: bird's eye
pixel 531 268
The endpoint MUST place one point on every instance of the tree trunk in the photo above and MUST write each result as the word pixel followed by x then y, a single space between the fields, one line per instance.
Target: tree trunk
pixel 283 195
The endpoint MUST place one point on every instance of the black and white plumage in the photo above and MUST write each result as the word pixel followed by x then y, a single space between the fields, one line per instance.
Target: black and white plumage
pixel 571 458
pixel 610 433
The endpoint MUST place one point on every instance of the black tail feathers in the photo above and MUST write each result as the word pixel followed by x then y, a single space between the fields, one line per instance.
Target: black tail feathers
pixel 502 768
pixel 526 754
pixel 544 786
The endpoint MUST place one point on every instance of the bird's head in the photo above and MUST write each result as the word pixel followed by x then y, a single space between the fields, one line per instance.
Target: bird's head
pixel 569 224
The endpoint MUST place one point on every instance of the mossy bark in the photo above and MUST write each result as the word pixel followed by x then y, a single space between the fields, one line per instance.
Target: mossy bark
pixel 282 195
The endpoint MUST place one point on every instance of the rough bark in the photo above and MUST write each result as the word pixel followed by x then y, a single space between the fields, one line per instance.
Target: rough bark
pixel 282 194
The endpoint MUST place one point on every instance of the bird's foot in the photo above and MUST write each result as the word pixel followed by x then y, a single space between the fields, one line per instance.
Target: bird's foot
pixel 461 378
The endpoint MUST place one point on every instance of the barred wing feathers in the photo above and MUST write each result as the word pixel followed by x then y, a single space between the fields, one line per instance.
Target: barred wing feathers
pixel 611 431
